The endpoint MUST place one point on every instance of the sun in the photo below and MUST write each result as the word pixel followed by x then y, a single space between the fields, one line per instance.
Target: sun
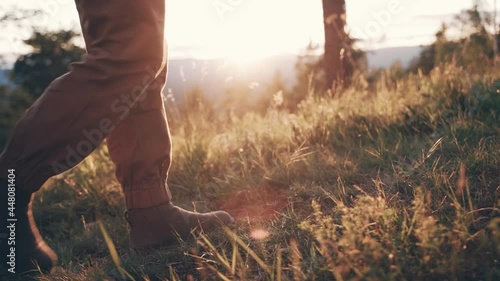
pixel 249 31
pixel 245 41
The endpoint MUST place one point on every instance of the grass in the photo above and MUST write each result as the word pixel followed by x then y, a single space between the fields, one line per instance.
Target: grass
pixel 399 180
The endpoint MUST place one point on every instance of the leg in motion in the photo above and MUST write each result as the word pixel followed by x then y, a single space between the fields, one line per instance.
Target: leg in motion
pixel 125 52
pixel 140 147
pixel 116 90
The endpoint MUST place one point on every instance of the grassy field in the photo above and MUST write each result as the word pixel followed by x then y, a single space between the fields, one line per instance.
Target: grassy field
pixel 399 180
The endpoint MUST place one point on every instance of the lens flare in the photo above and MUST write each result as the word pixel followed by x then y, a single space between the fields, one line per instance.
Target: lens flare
pixel 259 234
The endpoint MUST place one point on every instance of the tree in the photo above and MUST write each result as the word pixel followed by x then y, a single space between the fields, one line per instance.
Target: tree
pixel 15 17
pixel 337 51
pixel 17 14
pixel 275 95
pixel 474 47
pixel 310 76
pixel 52 53
pixel 13 103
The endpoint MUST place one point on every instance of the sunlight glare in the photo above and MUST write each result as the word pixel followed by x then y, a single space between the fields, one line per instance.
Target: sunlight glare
pixel 259 234
pixel 252 30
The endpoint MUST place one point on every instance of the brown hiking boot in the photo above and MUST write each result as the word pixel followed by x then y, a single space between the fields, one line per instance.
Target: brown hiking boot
pixel 166 223
pixel 20 240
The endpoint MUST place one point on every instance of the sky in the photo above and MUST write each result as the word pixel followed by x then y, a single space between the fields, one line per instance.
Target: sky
pixel 245 29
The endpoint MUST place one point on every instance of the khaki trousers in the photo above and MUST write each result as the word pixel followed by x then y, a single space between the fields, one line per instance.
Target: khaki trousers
pixel 113 93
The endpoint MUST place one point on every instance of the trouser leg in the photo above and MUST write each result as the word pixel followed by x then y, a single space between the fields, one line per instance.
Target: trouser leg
pixel 125 54
pixel 140 148
pixel 125 60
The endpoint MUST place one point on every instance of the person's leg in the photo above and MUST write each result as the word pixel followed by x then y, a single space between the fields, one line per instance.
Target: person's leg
pixel 125 53
pixel 141 150
pixel 125 56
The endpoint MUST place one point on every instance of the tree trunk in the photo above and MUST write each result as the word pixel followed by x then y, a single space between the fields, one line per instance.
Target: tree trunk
pixel 335 59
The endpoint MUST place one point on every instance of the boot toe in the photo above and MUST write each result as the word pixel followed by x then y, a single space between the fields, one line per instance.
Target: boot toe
pixel 165 224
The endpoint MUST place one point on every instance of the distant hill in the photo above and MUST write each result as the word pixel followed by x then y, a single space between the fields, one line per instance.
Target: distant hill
pixel 383 58
pixel 214 74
